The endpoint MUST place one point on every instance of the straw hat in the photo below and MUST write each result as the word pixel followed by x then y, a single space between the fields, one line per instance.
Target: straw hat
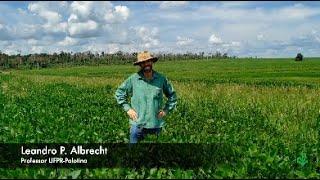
pixel 145 56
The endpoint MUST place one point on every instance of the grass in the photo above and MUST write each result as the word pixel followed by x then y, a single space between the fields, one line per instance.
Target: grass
pixel 269 110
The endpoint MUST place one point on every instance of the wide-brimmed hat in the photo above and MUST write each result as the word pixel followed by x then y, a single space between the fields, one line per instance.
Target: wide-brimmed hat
pixel 145 56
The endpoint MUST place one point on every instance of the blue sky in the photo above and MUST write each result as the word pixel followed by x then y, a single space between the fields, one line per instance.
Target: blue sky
pixel 239 28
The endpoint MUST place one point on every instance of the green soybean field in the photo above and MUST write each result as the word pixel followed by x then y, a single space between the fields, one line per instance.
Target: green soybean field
pixel 267 110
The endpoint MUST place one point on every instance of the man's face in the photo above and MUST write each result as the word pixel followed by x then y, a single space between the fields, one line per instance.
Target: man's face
pixel 146 66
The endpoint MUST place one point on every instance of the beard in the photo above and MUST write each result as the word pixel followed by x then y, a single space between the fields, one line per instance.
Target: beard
pixel 147 69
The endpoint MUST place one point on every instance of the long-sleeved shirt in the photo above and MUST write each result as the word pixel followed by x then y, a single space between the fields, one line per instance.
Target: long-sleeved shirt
pixel 146 98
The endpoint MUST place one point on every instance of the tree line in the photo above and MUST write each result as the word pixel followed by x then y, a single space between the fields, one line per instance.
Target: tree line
pixel 44 60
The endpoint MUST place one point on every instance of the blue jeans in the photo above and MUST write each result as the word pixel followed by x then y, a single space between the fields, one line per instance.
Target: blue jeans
pixel 138 133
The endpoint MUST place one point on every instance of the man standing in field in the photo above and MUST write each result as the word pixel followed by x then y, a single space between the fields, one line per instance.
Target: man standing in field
pixel 146 89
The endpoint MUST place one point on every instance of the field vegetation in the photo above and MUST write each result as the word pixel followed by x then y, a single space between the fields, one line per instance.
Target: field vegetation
pixel 267 110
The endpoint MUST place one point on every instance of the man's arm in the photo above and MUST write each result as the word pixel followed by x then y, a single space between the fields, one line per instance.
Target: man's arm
pixel 171 95
pixel 122 92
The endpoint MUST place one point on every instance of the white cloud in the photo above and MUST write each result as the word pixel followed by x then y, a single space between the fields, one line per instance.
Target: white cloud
pixel 49 11
pixel 260 37
pixel 102 12
pixel 83 20
pixel 68 41
pixel 37 49
pixel 44 41
pixel 10 49
pixel 235 3
pixel 119 34
pixel 50 16
pixel 232 44
pixel 122 12
pixel 43 10
pixel 81 9
pixel 27 31
pixel 235 44
pixel 238 23
pixel 296 12
pixel 118 15
pixel 215 40
pixel 147 37
pixel 52 25
pixel 32 42
pixel 5 32
pixel 172 4
pixel 315 34
pixel 237 14
pixel 89 19
pixel 107 47
pixel 4 43
pixel 112 48
pixel 56 28
pixel 244 31
pixel 183 41
pixel 83 29
pixel 73 18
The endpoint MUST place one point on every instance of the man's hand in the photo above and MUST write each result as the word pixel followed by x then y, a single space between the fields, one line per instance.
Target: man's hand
pixel 132 114
pixel 161 114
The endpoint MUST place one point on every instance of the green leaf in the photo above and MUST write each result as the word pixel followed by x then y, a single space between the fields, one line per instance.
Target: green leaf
pixel 302 160
pixel 75 174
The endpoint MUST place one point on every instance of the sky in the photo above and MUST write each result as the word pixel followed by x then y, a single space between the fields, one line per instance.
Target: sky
pixel 238 28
